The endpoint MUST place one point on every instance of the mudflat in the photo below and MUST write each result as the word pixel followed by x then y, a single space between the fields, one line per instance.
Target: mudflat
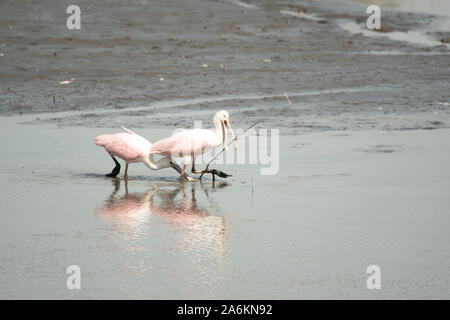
pixel 154 59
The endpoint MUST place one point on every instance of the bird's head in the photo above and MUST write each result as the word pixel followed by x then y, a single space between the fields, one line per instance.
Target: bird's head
pixel 223 118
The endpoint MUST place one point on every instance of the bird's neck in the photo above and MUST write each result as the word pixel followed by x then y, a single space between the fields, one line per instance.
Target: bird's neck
pixel 160 164
pixel 219 129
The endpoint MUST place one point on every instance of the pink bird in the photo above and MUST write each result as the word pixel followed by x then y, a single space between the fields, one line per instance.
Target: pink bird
pixel 132 148
pixel 190 143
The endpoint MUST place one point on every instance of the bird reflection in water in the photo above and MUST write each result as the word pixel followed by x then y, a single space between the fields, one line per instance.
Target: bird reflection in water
pixel 190 220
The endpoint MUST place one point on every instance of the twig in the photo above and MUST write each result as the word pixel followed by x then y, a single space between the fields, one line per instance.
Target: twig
pixel 287 98
pixel 223 149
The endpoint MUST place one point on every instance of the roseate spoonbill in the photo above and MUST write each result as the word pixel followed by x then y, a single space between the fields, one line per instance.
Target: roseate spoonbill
pixel 131 147
pixel 190 143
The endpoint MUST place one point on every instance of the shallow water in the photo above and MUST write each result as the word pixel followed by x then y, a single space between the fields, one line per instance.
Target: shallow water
pixel 340 203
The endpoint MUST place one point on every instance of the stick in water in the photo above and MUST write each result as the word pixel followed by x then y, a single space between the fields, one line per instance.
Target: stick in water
pixel 287 98
pixel 223 149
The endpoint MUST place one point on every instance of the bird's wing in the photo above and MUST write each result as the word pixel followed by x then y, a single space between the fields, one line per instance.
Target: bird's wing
pixel 164 146
pixel 182 144
pixel 124 145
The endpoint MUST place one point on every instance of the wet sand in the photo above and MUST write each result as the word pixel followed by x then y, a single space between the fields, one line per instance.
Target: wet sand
pixel 340 203
pixel 363 174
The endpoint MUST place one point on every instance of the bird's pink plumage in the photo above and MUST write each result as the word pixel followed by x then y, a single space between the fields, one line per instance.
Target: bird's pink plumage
pixel 122 145
pixel 181 144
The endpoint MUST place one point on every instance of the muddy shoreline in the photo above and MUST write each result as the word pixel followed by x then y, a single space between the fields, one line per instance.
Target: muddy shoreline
pixel 134 54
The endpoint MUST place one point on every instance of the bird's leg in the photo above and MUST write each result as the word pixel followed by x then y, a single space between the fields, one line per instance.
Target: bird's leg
pixel 125 176
pixel 182 173
pixel 116 169
pixel 177 168
pixel 193 164
pixel 214 172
